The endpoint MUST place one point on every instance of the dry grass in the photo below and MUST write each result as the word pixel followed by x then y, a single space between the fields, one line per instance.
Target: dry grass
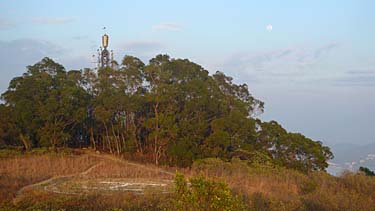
pixel 40 200
pixel 289 190
pixel 114 167
pixel 124 170
pixel 277 183
pixel 17 172
pixel 262 187
pixel 21 171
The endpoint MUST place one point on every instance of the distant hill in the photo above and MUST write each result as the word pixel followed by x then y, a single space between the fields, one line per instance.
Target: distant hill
pixel 351 157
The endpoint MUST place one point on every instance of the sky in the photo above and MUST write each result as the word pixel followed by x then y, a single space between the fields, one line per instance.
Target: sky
pixel 311 62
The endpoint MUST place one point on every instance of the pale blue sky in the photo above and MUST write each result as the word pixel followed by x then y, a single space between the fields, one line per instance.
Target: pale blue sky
pixel 315 69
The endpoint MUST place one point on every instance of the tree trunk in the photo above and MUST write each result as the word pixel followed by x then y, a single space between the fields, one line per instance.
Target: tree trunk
pixel 108 139
pixel 156 134
pixel 116 140
pixel 92 138
pixel 25 142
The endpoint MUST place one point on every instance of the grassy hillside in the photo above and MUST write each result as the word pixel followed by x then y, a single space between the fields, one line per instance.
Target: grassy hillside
pixel 86 180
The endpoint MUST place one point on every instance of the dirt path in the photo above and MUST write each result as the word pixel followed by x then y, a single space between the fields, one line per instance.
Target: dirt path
pixel 87 171
pixel 50 180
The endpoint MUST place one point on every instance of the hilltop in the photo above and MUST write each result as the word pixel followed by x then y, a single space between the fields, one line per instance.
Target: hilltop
pixel 163 135
pixel 170 112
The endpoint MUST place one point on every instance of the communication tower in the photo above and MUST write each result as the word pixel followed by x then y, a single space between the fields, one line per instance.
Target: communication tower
pixel 105 57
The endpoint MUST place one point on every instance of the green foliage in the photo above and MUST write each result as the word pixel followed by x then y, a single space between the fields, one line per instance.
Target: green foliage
pixel 171 111
pixel 366 171
pixel 46 104
pixel 8 128
pixel 292 149
pixel 308 186
pixel 204 194
pixel 259 202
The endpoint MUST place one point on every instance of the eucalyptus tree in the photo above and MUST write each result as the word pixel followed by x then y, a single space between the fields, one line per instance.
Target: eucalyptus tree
pixel 64 111
pixel 8 128
pixel 26 94
pixel 160 125
pixel 292 150
pixel 191 112
pixel 46 104
pixel 117 103
pixel 131 73
pixel 172 110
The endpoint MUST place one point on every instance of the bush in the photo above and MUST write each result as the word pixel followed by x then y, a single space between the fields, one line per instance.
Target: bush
pixel 259 202
pixel 203 194
pixel 308 186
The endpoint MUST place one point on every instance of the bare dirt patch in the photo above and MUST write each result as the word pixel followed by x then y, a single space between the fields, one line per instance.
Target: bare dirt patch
pixel 106 175
pixel 76 186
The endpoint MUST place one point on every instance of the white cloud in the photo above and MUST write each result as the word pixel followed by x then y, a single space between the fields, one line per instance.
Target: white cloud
pixel 167 27
pixel 279 64
pixel 47 20
pixel 269 27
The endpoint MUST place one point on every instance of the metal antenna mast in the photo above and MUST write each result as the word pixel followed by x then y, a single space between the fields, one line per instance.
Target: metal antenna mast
pixel 104 57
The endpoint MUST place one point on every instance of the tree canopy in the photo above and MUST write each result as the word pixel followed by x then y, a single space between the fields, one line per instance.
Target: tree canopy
pixel 172 111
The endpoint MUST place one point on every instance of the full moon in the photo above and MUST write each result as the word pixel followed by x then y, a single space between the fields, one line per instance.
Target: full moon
pixel 269 27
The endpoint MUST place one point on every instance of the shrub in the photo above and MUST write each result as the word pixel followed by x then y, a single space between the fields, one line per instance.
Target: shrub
pixel 203 194
pixel 308 186
pixel 259 202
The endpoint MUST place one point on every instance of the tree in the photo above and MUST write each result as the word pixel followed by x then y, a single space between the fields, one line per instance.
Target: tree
pixel 231 133
pixel 170 110
pixel 366 171
pixel 292 149
pixel 26 94
pixel 45 103
pixel 237 96
pixel 161 125
pixel 63 110
pixel 8 129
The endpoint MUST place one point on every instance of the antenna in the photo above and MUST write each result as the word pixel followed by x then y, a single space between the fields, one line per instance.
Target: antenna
pixel 105 57
pixel 112 60
pixel 99 60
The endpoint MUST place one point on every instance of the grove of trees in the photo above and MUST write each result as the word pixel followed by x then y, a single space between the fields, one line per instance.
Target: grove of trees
pixel 169 110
